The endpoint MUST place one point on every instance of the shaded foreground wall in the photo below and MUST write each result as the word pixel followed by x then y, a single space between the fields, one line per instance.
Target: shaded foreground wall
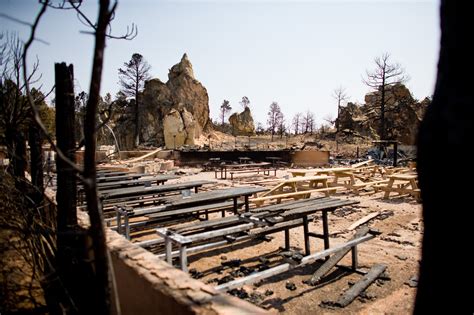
pixel 148 285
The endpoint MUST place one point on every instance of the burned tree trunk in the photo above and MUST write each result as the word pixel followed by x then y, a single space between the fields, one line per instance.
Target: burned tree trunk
pixel 448 123
pixel 66 194
pixel 36 157
pixel 18 153
pixel 102 299
pixel 74 271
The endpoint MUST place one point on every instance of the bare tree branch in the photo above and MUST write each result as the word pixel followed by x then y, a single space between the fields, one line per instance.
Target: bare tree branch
pixel 30 97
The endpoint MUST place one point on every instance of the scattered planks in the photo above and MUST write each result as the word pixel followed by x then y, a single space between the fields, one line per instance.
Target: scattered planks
pixel 360 286
pixel 331 262
pixel 363 220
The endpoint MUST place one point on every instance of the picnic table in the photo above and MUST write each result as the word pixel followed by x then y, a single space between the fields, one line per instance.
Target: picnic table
pixel 141 192
pixel 296 188
pixel 249 167
pixel 244 160
pixel 260 221
pixel 336 172
pixel 145 181
pixel 217 195
pixel 402 184
pixel 116 178
pixel 214 200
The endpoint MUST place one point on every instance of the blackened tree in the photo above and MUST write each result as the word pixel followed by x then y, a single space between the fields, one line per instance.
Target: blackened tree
pixel 132 79
pixel 384 75
pixel 245 102
pixel 275 118
pixel 225 109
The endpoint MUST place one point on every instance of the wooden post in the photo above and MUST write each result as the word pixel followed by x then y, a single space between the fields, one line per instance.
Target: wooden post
pixel 287 239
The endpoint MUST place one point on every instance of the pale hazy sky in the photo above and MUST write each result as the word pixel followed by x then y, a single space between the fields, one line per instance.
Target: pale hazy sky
pixel 292 52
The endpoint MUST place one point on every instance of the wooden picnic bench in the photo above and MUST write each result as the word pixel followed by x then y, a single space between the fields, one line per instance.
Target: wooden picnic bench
pixel 202 200
pixel 265 171
pixel 402 184
pixel 224 168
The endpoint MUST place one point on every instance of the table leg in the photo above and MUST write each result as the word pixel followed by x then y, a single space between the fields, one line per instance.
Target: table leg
pixel 235 205
pixel 325 229
pixel 307 247
pixel 287 239
pixel 355 261
pixel 183 258
pixel 169 257
pixel 246 198
pixel 389 188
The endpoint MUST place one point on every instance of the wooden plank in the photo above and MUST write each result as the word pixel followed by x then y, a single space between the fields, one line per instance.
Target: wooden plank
pixel 357 165
pixel 363 220
pixel 144 156
pixel 331 262
pixel 360 285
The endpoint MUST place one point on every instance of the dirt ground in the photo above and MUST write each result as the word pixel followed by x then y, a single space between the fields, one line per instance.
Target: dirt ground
pixel 398 247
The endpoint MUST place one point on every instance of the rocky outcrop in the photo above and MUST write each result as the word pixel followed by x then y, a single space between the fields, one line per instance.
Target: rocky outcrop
pixel 179 128
pixel 182 99
pixel 242 123
pixel 402 115
pixel 352 120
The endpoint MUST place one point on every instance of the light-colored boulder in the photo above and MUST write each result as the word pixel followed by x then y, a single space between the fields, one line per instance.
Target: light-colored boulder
pixel 242 123
pixel 174 127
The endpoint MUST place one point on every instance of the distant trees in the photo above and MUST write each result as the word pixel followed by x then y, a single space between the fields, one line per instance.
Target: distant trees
pixel 245 102
pixel 384 75
pixel 15 111
pixel 340 96
pixel 309 123
pixel 275 118
pixel 224 110
pixel 260 129
pixel 132 80
pixel 297 121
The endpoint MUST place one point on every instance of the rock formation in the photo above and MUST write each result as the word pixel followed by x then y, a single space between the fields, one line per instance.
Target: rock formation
pixel 242 124
pixel 179 127
pixel 402 115
pixel 178 107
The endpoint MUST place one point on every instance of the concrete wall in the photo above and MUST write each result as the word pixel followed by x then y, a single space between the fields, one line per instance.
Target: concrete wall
pixel 310 158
